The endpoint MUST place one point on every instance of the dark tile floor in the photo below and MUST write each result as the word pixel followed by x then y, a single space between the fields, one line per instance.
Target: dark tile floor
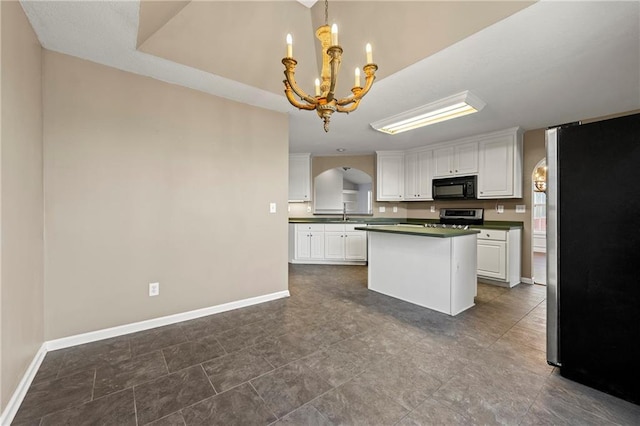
pixel 332 353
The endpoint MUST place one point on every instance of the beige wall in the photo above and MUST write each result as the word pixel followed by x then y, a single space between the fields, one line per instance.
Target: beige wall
pixel 145 182
pixel 21 216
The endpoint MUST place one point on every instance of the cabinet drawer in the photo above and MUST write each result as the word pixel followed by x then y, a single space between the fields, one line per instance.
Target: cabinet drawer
pixel 316 227
pixel 334 228
pixel 492 234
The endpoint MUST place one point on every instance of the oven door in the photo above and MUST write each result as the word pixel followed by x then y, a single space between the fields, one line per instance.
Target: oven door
pixel 449 191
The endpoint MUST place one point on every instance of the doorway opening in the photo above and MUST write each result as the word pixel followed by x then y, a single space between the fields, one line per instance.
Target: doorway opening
pixel 539 227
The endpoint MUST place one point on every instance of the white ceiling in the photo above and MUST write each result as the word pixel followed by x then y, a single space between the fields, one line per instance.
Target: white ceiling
pixel 550 63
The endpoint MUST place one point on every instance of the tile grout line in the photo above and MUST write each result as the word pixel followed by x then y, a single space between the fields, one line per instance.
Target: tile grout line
pixel 265 402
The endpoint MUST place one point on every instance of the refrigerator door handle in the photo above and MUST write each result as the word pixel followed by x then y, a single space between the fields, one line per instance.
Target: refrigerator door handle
pixel 553 296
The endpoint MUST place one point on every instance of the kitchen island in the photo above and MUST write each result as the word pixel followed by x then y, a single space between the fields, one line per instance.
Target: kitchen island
pixel 430 267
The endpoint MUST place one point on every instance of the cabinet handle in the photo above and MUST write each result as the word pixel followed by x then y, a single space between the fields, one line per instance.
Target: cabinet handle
pixel 456 171
pixel 450 171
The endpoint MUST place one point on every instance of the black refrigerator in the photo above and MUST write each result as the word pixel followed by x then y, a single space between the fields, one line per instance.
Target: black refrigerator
pixel 593 254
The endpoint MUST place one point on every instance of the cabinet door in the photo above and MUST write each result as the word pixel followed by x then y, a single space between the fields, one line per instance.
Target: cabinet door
pixel 316 245
pixel 355 245
pixel 411 173
pixel 500 168
pixel 390 176
pixel 443 162
pixel 303 247
pixel 334 245
pixel 466 159
pixel 492 259
pixel 300 177
pixel 424 175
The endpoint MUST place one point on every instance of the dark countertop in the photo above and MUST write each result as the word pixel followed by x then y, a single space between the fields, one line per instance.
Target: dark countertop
pixel 419 230
pixel 488 224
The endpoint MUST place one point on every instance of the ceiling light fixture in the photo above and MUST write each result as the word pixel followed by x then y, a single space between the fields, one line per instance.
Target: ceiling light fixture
pixel 450 107
pixel 324 102
pixel 540 179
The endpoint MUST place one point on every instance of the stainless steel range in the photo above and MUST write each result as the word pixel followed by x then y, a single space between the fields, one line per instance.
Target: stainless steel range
pixel 458 218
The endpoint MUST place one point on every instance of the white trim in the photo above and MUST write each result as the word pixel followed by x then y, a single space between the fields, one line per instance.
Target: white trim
pixel 21 390
pixel 106 333
pixel 23 386
pixel 527 280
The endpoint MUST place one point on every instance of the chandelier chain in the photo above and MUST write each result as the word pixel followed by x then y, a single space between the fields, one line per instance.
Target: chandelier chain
pixel 326 12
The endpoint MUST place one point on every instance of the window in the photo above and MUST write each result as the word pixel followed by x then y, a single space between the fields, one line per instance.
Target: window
pixel 539 212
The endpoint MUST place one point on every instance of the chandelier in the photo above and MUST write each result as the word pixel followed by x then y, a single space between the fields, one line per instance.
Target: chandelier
pixel 540 179
pixel 324 101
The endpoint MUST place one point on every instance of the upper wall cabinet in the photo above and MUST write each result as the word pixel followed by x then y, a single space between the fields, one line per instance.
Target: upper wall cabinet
pixel 299 177
pixel 418 174
pixel 461 159
pixel 500 164
pixel 390 176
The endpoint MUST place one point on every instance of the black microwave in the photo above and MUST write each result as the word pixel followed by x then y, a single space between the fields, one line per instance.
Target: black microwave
pixel 455 188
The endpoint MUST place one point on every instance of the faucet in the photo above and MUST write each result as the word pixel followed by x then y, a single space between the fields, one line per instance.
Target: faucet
pixel 344 212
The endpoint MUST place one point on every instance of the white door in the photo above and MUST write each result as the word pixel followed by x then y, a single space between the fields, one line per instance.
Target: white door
pixel 303 247
pixel 492 259
pixel 355 245
pixel 334 245
pixel 466 159
pixel 443 162
pixel 316 244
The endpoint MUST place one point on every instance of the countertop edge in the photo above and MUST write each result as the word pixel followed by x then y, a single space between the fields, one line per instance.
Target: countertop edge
pixel 424 232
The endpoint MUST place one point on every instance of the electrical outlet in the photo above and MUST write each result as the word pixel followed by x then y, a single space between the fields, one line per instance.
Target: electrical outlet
pixel 395 209
pixel 433 209
pixel 308 209
pixel 154 289
pixel 500 208
pixel 272 207
pixel 381 209
pixel 521 208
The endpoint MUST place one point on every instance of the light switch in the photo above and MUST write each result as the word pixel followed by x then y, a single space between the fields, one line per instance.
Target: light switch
pixel 395 209
pixel 272 207
pixel 500 208
pixel 433 209
pixel 381 209
pixel 521 208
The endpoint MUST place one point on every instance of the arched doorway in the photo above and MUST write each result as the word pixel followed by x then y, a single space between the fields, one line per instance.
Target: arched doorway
pixel 539 223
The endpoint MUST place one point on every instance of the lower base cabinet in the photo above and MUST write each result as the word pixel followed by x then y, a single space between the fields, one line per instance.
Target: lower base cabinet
pixel 336 244
pixel 499 257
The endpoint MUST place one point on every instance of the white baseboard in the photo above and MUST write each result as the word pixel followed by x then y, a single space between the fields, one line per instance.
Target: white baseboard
pixel 23 386
pixel 107 333
pixel 526 280
pixel 21 390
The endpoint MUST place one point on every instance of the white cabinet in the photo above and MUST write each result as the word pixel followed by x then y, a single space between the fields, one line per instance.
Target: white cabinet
pixel 390 176
pixel 327 244
pixel 343 242
pixel 500 165
pixel 299 177
pixel 417 184
pixel 499 256
pixel 309 241
pixel 461 159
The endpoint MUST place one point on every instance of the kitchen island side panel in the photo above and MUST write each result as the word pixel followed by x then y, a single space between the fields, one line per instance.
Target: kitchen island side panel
pixel 464 278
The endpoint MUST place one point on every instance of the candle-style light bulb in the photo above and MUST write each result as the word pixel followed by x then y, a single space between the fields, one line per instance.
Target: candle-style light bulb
pixel 334 35
pixel 357 77
pixel 369 54
pixel 317 84
pixel 289 46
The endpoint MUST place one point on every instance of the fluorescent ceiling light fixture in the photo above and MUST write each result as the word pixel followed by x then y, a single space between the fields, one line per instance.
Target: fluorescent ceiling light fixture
pixel 444 109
